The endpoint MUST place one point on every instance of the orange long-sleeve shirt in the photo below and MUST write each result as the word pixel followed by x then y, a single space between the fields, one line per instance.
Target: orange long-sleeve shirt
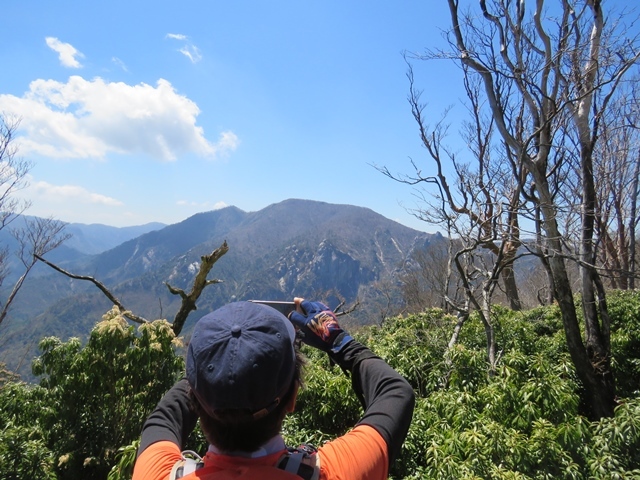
pixel 360 454
pixel 364 453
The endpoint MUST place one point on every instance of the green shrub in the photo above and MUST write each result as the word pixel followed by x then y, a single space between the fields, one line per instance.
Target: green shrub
pixel 519 422
pixel 24 453
pixel 624 309
pixel 522 421
pixel 414 346
pixel 93 399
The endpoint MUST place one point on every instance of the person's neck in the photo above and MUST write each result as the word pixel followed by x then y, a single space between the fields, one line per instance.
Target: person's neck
pixel 274 445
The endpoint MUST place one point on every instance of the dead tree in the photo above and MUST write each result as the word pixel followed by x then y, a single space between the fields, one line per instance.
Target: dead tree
pixel 199 284
pixel 617 166
pixel 477 201
pixel 101 286
pixel 560 68
pixel 472 187
pixel 189 299
pixel 35 236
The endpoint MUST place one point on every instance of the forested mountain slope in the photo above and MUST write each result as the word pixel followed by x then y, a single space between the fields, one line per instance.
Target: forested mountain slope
pixel 296 247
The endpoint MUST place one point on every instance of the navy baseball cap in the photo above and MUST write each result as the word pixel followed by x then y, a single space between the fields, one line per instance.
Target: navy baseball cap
pixel 242 357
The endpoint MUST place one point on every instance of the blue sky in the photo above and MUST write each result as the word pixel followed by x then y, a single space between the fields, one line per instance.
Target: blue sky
pixel 143 111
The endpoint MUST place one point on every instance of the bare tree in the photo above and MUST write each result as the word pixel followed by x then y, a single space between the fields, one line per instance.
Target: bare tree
pixel 13 172
pixel 36 236
pixel 424 280
pixel 188 300
pixel 478 193
pixel 384 289
pixel 477 201
pixel 617 166
pixel 550 69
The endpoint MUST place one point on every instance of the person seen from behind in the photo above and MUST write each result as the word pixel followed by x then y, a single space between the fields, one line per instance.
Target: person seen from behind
pixel 243 371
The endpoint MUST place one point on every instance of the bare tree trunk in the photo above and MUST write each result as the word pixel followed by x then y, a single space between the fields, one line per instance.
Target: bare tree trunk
pixel 543 253
pixel 598 385
pixel 199 283
pixel 633 222
pixel 596 316
pixel 489 332
pixel 510 287
pixel 462 318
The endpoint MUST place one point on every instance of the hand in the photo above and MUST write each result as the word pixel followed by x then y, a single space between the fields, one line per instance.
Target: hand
pixel 319 326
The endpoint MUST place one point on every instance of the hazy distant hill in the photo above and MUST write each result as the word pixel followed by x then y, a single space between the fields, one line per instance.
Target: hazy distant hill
pixel 296 247
pixel 85 240
pixel 96 238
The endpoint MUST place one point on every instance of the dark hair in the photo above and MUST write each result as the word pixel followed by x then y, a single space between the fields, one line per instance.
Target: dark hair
pixel 234 429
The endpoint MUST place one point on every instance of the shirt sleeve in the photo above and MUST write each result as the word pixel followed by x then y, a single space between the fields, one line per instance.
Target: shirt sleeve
pixel 361 454
pixel 156 461
pixel 172 420
pixel 164 433
pixel 387 398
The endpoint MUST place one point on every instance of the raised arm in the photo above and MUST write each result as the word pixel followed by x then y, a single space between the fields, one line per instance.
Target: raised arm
pixel 387 398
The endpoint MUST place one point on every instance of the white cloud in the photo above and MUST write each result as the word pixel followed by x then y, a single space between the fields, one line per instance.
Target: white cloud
pixel 119 63
pixel 176 36
pixel 91 118
pixel 58 193
pixel 73 203
pixel 228 141
pixel 189 50
pixel 66 52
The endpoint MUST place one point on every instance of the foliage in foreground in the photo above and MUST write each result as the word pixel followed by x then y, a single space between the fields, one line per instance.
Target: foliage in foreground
pixel 91 400
pixel 523 422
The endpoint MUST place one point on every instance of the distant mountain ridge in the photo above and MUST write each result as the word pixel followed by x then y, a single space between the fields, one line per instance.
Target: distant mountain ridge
pixel 295 247
pixel 86 239
pixel 97 238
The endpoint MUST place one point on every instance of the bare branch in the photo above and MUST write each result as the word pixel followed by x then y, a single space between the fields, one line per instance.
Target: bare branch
pixel 199 283
pixel 340 310
pixel 101 287
pixel 38 237
pixel 188 299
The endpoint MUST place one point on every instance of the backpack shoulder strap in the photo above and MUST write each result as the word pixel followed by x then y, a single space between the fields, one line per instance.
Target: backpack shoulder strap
pixel 301 461
pixel 186 465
